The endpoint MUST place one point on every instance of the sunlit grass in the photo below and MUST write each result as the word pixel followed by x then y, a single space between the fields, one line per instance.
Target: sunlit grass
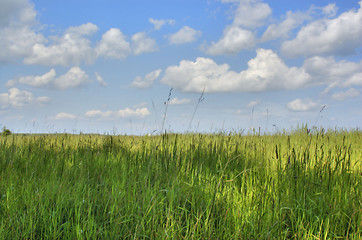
pixel 182 186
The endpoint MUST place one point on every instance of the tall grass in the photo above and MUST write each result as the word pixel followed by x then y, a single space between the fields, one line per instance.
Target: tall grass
pixel 182 186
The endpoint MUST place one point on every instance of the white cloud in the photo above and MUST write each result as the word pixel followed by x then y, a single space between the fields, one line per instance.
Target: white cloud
pixel 254 103
pixel 265 72
pixel 113 45
pixel 325 70
pixel 330 10
pixel 123 113
pixel 71 48
pixel 184 35
pixel 251 14
pixel 65 116
pixel 16 12
pixel 350 93
pixel 292 20
pixel 355 80
pixel 283 29
pixel 106 115
pixel 97 113
pixel 18 39
pixel 18 99
pixel 75 77
pixel 86 29
pixel 34 81
pixel 131 113
pixel 176 101
pixel 100 80
pixel 233 41
pixel 17 42
pixel 142 44
pixel 159 23
pixel 17 36
pixel 147 81
pixel 341 35
pixel 140 105
pixel 305 105
pixel 43 100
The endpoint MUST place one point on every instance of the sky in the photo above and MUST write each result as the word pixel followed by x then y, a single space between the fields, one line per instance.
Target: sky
pixel 143 67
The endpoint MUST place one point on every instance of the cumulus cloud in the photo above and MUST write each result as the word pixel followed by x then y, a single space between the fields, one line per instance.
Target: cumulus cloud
pixel 233 41
pixel 17 99
pixel 16 12
pixel 142 44
pixel 299 105
pixel 293 20
pixel 254 103
pixel 137 113
pixel 325 70
pixel 283 29
pixel 237 36
pixel 330 10
pixel 65 116
pixel 176 101
pixel 100 80
pixel 265 72
pixel 34 81
pixel 184 35
pixel 42 100
pixel 75 77
pixel 251 14
pixel 113 45
pixel 17 34
pixel 159 23
pixel 19 39
pixel 72 48
pixel 146 81
pixel 350 93
pixel 17 42
pixel 340 35
pixel 123 113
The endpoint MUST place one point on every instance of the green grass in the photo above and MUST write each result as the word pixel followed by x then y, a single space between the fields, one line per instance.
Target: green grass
pixel 182 186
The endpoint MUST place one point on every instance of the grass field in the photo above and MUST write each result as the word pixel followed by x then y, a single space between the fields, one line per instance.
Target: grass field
pixel 295 185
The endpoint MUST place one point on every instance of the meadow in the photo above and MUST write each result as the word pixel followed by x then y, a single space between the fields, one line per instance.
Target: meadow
pixel 289 185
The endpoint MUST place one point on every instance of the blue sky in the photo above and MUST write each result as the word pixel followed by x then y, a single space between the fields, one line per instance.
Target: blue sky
pixel 108 66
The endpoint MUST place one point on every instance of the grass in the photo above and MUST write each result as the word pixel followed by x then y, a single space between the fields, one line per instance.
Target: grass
pixel 182 186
